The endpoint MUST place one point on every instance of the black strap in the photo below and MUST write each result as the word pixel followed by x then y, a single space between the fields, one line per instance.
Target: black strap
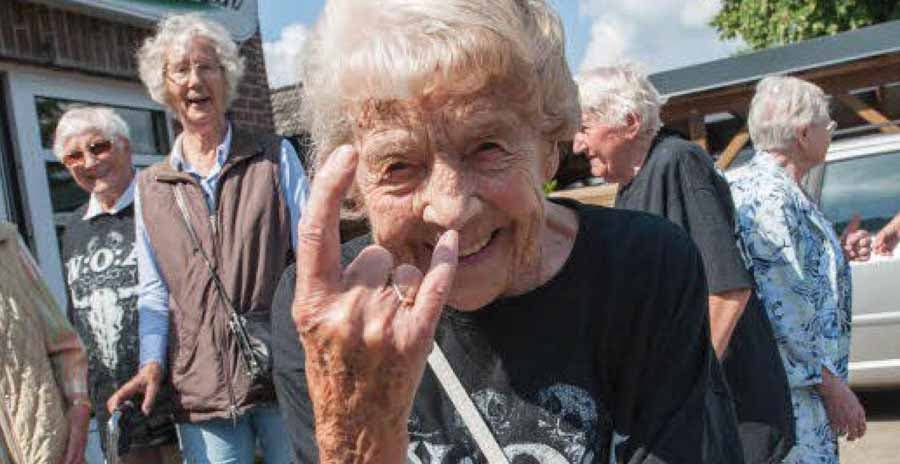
pixel 235 321
pixel 182 206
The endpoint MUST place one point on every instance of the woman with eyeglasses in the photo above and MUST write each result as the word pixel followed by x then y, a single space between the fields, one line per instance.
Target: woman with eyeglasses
pixel 215 226
pixel 101 273
pixel 799 263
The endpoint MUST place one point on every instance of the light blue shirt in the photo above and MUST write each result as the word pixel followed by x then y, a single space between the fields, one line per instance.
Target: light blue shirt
pixel 153 293
pixel 802 277
pixel 95 209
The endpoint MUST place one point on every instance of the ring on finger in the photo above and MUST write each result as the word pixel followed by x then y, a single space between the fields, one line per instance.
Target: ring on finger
pixel 405 300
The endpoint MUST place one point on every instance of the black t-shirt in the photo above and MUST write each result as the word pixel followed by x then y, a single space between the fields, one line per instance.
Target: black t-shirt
pixel 102 282
pixel 616 341
pixel 680 182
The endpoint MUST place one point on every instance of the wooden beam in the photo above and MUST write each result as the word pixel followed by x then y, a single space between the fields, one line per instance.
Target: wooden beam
pixel 833 80
pixel 890 101
pixel 867 113
pixel 697 129
pixel 603 195
pixel 734 147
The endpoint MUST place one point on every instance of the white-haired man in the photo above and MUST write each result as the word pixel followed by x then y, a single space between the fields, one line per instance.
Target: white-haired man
pixel 98 250
pixel 660 173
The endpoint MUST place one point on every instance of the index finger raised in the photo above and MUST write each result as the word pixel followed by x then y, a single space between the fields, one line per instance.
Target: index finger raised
pixel 318 234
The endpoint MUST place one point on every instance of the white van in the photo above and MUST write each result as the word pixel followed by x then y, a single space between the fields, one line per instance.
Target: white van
pixel 862 175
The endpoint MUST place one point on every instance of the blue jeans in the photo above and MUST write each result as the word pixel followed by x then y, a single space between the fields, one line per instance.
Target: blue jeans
pixel 221 441
pixel 93 453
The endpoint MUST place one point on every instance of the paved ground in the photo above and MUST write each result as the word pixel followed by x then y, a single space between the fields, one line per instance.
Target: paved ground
pixel 881 444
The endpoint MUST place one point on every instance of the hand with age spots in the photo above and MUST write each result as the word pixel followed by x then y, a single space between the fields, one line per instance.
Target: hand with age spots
pixel 366 330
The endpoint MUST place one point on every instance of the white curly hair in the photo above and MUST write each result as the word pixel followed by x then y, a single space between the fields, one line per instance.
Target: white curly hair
pixel 611 93
pixel 79 120
pixel 362 52
pixel 780 107
pixel 177 31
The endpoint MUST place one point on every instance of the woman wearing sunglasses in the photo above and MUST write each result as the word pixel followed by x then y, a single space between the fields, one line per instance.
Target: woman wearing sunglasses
pixel 98 251
pixel 215 224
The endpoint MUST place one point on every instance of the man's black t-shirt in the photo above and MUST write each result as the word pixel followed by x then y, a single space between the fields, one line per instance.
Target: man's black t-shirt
pixel 616 341
pixel 679 181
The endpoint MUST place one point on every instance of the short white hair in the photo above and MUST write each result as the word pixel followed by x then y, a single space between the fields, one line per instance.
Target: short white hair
pixel 780 107
pixel 362 52
pixel 611 93
pixel 177 31
pixel 80 120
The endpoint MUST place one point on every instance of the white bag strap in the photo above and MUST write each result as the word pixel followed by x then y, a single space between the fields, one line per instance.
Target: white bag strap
pixel 465 407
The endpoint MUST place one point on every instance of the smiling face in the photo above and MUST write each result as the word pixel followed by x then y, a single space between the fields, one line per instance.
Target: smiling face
pixel 473 165
pixel 108 172
pixel 195 83
pixel 610 149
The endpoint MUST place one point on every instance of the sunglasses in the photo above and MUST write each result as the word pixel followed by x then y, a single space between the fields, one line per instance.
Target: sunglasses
pixel 76 157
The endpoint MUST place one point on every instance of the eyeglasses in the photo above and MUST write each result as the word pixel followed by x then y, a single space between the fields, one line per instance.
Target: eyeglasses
pixel 831 127
pixel 76 158
pixel 181 73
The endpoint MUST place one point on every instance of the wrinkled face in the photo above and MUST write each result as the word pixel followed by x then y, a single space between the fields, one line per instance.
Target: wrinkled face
pixel 608 148
pixel 475 166
pixel 195 82
pixel 98 165
pixel 818 138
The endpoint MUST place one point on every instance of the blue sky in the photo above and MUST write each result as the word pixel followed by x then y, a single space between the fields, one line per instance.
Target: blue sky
pixel 658 34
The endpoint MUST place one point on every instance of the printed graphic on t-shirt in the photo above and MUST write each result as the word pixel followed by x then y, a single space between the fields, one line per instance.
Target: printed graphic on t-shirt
pixel 564 426
pixel 102 279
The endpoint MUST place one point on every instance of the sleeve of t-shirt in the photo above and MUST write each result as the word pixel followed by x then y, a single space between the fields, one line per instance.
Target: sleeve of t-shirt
pixel 711 218
pixel 663 354
pixel 289 373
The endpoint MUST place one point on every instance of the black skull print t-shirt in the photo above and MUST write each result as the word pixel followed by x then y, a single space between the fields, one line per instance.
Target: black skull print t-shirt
pixel 102 282
pixel 616 342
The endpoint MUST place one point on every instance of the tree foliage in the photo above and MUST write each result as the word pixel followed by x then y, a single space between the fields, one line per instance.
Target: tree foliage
pixel 767 23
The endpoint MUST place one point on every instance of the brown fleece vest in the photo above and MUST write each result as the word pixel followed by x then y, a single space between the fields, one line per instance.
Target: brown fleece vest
pixel 248 238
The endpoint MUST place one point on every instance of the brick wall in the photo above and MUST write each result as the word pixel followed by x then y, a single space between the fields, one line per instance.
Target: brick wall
pixel 253 108
pixel 52 37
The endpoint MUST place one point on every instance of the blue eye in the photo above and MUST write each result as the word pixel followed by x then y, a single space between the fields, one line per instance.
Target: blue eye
pixel 488 146
pixel 399 166
pixel 398 171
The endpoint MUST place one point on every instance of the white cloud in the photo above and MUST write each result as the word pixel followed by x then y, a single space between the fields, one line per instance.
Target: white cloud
pixel 658 34
pixel 282 55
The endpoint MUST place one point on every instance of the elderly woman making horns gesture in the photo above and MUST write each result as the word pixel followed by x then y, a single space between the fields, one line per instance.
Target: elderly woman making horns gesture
pixel 551 324
pixel 215 226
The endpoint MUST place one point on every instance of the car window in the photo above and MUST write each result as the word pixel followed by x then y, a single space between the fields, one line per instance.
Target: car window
pixel 868 185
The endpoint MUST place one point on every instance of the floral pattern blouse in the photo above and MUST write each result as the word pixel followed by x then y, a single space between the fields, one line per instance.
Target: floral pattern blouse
pixel 802 276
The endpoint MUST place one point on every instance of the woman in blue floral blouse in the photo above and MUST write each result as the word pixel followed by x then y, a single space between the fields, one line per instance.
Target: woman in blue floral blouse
pixel 799 263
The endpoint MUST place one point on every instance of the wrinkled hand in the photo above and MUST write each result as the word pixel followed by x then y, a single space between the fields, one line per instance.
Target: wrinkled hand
pixel 78 418
pixel 366 330
pixel 147 381
pixel 886 240
pixel 845 413
pixel 856 242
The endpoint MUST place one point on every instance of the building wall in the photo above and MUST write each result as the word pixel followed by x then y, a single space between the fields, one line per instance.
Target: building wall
pixel 53 37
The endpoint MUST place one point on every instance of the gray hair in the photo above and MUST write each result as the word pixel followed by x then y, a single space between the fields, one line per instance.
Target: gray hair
pixel 781 106
pixel 177 30
pixel 611 93
pixel 79 120
pixel 362 52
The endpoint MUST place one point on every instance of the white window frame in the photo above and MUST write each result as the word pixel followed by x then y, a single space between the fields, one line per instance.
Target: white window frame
pixel 24 83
